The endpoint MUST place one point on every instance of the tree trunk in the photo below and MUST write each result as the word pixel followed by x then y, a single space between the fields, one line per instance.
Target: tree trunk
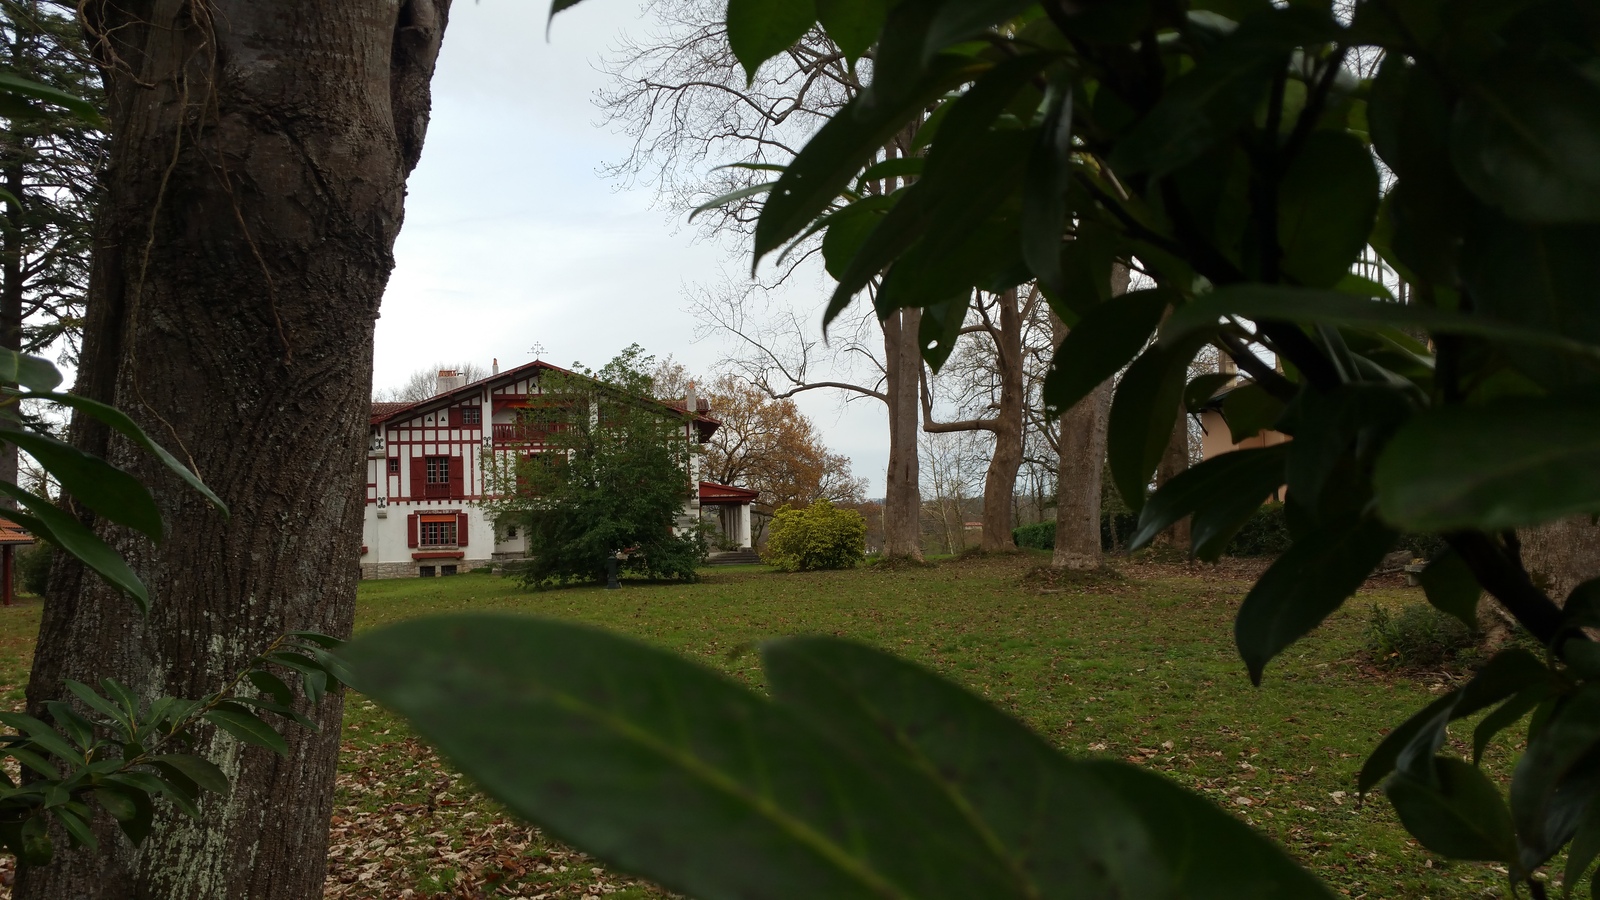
pixel 1173 463
pixel 254 193
pixel 902 502
pixel 1561 555
pixel 11 293
pixel 1081 465
pixel 1000 483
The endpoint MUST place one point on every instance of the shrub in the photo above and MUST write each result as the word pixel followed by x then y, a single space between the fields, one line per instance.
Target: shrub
pixel 1265 533
pixel 1419 636
pixel 820 536
pixel 1038 536
pixel 33 567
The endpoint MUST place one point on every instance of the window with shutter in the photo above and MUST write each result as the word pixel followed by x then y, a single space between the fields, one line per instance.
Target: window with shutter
pixel 419 478
pixel 458 479
pixel 437 531
pixel 461 530
pixel 411 530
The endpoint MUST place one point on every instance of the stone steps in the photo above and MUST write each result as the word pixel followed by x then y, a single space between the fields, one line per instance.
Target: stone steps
pixel 734 558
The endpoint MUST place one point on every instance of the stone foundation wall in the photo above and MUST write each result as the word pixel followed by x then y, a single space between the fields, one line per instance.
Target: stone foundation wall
pixel 413 569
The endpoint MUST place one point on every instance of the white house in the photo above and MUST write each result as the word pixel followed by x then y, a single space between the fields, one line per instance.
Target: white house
pixel 425 478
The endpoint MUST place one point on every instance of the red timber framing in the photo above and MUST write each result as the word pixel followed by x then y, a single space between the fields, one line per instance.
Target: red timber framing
pixel 457 427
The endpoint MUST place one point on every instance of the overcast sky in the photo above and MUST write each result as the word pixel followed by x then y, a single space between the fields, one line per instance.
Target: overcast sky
pixel 512 240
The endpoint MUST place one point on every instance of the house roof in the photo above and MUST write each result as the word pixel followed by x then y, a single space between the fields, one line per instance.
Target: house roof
pixel 387 411
pixel 714 494
pixel 12 533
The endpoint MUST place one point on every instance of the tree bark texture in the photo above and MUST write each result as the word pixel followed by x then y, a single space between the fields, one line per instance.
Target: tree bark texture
pixel 1561 555
pixel 255 190
pixel 1081 462
pixel 902 502
pixel 1000 482
pixel 1173 463
pixel 11 296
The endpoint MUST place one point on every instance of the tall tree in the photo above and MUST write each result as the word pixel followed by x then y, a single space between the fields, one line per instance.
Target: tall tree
pixel 689 106
pixel 772 447
pixel 1081 467
pixel 994 378
pixel 254 191
pixel 49 163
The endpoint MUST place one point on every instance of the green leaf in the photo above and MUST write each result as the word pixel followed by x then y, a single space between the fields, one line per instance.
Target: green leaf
pixel 1526 138
pixel 1585 847
pixel 1319 307
pixel 1222 92
pixel 1555 780
pixel 1221 493
pixel 966 19
pixel 78 106
pixel 118 804
pixel 77 828
pixel 46 737
pixel 98 703
pixel 1143 413
pixel 849 228
pixel 102 487
pixel 270 685
pixel 120 422
pixel 752 190
pixel 204 773
pixel 1304 586
pixel 837 152
pixel 1203 388
pixel 1327 202
pixel 1463 817
pixel 1503 464
pixel 758 30
pixel 1452 588
pixel 248 727
pixel 326 641
pixel 852 24
pixel 50 522
pixel 1063 828
pixel 1104 340
pixel 1504 716
pixel 1044 186
pixel 31 372
pixel 667 769
pixel 1249 410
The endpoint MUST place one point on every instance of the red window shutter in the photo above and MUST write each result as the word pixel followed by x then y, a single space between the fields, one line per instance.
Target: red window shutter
pixel 455 417
pixel 411 530
pixel 458 479
pixel 419 478
pixel 461 530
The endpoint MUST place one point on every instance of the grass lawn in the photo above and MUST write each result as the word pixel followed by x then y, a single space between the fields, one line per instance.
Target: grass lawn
pixel 1140 667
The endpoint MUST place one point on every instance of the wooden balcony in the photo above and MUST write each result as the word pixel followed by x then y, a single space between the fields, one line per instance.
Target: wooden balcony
pixel 518 433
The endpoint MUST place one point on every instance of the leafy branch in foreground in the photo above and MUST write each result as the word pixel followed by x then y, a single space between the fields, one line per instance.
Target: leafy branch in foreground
pixel 1412 242
pixel 121 754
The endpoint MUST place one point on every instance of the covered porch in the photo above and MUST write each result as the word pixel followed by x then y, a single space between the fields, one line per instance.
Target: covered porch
pixel 733 509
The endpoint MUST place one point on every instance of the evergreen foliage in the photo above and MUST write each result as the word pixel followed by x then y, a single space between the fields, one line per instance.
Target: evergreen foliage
pixel 611 477
pixel 820 536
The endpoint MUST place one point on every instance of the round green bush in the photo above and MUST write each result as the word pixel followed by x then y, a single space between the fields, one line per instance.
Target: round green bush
pixel 33 567
pixel 821 536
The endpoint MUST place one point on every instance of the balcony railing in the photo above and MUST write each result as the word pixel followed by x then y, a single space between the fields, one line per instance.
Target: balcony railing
pixel 526 432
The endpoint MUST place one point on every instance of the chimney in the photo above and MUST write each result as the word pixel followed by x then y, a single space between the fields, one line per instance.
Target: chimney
pixel 691 403
pixel 494 369
pixel 448 380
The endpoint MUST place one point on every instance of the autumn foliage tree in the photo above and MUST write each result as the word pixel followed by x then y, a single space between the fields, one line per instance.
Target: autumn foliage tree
pixel 771 446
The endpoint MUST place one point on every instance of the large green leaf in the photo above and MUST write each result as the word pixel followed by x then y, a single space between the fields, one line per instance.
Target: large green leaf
pixel 48 521
pixel 852 24
pixel 1327 201
pixel 1223 90
pixel 1305 585
pixel 31 372
pixel 1462 816
pixel 669 770
pixel 1221 493
pixel 1451 588
pixel 1143 413
pixel 99 485
pixel 1322 307
pixel 842 147
pixel 22 87
pixel 1504 464
pixel 1045 185
pixel 129 429
pixel 1526 139
pixel 758 30
pixel 1100 344
pixel 1064 828
pixel 1558 778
